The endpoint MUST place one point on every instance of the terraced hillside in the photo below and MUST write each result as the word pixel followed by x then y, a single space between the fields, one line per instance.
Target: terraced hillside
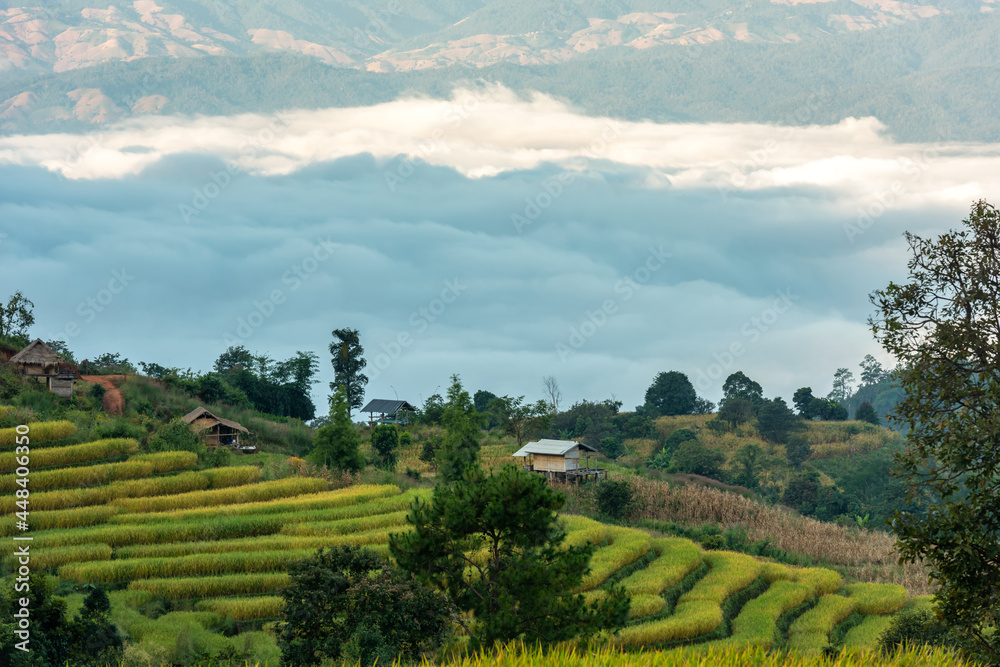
pixel 211 548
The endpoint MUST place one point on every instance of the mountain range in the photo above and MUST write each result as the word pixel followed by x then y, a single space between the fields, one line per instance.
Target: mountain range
pixel 926 70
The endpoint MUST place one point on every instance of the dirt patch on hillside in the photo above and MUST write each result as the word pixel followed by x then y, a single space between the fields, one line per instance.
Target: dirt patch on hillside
pixel 113 402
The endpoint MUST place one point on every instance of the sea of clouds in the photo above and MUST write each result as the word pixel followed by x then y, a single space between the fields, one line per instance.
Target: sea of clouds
pixel 500 238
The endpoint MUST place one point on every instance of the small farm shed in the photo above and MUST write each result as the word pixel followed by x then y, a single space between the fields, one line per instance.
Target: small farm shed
pixel 39 360
pixel 389 412
pixel 560 460
pixel 216 431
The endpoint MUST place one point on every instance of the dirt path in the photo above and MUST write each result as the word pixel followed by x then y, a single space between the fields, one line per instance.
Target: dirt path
pixel 113 402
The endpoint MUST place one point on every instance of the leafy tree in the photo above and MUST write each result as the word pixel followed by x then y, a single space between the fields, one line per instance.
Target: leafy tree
pixel 866 413
pixel 614 498
pixel 553 394
pixel 347 357
pixel 738 385
pixel 775 420
pixel 797 451
pixel 736 410
pixel 235 356
pixel 462 438
pixel 842 380
pixel 802 492
pixel 347 602
pixel 433 410
pixel 94 639
pixel 49 637
pixel 611 447
pixel 337 444
pixel 871 371
pixel 695 458
pixel 703 406
pixel 520 419
pixel 943 327
pixel 677 437
pixel 748 465
pixel 481 399
pixel 385 442
pixel 17 316
pixel 429 450
pixel 523 580
pixel 802 399
pixel 671 394
pixel 638 426
pixel 827 409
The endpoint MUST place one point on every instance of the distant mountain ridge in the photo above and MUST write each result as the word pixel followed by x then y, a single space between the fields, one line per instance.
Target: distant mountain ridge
pixel 48 52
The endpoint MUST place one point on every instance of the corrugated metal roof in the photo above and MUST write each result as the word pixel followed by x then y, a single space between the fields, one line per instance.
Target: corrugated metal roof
pixel 386 407
pixel 551 447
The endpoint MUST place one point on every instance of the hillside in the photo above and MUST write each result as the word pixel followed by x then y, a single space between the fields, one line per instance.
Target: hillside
pixel 922 70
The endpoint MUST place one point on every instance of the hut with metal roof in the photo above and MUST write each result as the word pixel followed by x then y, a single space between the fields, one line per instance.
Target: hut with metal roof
pixel 39 360
pixel 216 431
pixel 562 460
pixel 389 412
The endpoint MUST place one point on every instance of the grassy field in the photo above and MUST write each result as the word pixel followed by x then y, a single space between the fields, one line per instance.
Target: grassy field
pixel 211 548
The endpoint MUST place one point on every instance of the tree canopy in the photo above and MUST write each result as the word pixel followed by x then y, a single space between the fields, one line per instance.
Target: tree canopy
pixel 522 585
pixel 943 326
pixel 671 393
pixel 337 443
pixel 347 357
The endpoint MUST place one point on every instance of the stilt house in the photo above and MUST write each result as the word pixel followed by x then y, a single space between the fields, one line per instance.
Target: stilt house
pixel 562 460
pixel 39 360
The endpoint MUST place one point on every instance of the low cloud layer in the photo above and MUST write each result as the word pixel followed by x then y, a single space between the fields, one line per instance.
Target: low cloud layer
pixel 497 238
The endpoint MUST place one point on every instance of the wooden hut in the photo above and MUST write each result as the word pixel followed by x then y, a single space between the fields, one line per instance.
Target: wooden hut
pixel 39 360
pixel 389 412
pixel 216 431
pixel 561 460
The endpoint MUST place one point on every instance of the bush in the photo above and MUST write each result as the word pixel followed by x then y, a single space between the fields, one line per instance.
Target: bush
pixel 614 498
pixel 120 427
pixel 98 391
pixel 695 458
pixel 385 442
pixel 913 628
pixel 611 447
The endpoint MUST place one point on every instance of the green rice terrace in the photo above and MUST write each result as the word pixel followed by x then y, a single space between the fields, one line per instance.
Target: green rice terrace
pixel 194 559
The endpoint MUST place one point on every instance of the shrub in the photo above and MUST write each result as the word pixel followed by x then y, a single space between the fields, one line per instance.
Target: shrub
pixel 614 498
pixel 912 628
pixel 695 458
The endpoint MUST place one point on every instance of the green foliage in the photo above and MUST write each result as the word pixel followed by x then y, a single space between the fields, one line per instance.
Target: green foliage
pixel 97 391
pixel 432 411
pixel 337 445
pixel 94 639
pixel 49 641
pixel 866 413
pixel 748 465
pixel 695 458
pixel 519 419
pixel 614 498
pixel 17 316
pixel 797 451
pixel 482 399
pixel 942 326
pixel 639 426
pixel 347 357
pixel 385 442
pixel 348 603
pixel 611 447
pixel 737 410
pixel 738 385
pixel 775 420
pixel 842 380
pixel 914 628
pixel 671 393
pixel 827 409
pixel 802 399
pixel 523 581
pixel 462 439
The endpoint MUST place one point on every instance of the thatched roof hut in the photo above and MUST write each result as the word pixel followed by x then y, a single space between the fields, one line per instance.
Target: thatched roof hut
pixel 216 430
pixel 37 359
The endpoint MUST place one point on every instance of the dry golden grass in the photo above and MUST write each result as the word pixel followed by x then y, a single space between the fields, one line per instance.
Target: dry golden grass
pixel 866 554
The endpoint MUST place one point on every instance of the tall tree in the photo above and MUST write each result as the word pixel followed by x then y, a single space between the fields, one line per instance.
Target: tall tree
pixel 738 385
pixel 337 444
pixel 462 437
pixel 520 419
pixel 552 393
pixel 871 371
pixel 842 384
pixel 866 413
pixel 522 584
pixel 235 356
pixel 347 357
pixel 385 442
pixel 17 316
pixel 943 327
pixel 671 393
pixel 802 398
pixel 775 420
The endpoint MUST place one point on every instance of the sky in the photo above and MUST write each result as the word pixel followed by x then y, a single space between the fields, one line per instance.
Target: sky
pixel 499 238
